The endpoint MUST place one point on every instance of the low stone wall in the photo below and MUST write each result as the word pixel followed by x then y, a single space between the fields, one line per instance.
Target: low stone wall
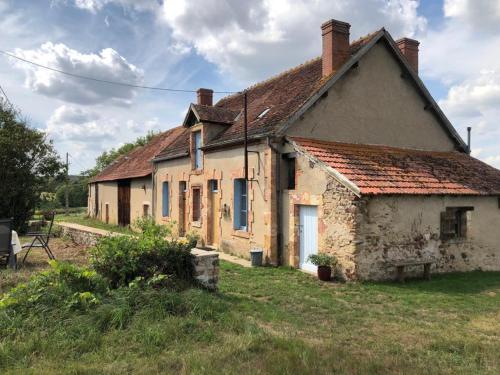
pixel 206 263
pixel 206 268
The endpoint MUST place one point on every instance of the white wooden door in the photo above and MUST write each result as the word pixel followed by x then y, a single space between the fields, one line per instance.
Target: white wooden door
pixel 308 235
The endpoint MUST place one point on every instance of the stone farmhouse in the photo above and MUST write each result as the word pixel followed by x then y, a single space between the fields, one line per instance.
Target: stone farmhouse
pixel 348 154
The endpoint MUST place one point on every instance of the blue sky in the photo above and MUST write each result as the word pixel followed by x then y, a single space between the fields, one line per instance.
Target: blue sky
pixel 225 45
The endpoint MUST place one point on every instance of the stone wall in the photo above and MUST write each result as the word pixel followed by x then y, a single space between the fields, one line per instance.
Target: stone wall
pixel 395 228
pixel 206 263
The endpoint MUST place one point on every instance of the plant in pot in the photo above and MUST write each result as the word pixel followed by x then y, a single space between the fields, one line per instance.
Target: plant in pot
pixel 324 262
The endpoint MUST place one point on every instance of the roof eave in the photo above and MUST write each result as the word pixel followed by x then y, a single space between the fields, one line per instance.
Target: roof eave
pixel 179 155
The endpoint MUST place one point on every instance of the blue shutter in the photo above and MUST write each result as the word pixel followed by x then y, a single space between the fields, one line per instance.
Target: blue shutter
pixel 240 204
pixel 237 204
pixel 165 199
pixel 197 147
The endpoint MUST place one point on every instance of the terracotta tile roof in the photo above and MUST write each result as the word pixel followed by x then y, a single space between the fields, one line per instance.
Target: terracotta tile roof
pixel 215 114
pixel 137 163
pixel 283 95
pixel 388 170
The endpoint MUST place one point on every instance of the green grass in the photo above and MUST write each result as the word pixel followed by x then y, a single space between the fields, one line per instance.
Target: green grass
pixel 83 219
pixel 270 320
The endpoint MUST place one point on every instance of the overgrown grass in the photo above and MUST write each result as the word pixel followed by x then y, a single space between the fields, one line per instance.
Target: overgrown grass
pixel 269 320
pixel 83 219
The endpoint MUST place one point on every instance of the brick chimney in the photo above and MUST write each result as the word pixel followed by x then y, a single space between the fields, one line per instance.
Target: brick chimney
pixel 409 49
pixel 335 45
pixel 205 96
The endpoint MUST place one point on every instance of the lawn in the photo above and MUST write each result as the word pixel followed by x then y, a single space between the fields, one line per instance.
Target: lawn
pixel 267 320
pixel 83 219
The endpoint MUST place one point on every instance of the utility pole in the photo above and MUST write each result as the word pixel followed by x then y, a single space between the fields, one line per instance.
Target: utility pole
pixel 66 193
pixel 245 130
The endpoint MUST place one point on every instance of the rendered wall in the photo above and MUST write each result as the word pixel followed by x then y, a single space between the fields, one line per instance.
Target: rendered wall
pixel 140 195
pixel 373 104
pixel 108 194
pixel 224 166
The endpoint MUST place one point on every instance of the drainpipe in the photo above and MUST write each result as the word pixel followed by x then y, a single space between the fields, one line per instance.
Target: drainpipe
pixel 279 239
pixel 153 191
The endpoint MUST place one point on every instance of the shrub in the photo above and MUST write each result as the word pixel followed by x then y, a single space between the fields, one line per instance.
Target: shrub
pixel 64 285
pixel 123 259
pixel 322 259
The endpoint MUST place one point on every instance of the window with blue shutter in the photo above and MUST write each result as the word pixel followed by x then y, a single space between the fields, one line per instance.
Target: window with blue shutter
pixel 165 199
pixel 240 204
pixel 197 149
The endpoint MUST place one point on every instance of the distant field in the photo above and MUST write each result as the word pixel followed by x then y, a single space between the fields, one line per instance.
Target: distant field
pixel 265 321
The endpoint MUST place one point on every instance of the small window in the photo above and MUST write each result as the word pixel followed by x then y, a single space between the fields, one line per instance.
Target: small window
pixel 213 185
pixel 290 170
pixel 145 210
pixel 454 222
pixel 165 199
pixel 263 113
pixel 196 204
pixel 197 163
pixel 240 204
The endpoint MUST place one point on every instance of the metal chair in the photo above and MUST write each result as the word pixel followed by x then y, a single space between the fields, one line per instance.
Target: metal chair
pixel 41 240
pixel 6 251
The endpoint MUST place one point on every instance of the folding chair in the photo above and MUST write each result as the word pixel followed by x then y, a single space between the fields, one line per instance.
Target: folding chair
pixel 41 240
pixel 6 251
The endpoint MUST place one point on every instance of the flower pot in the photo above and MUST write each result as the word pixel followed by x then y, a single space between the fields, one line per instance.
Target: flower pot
pixel 324 273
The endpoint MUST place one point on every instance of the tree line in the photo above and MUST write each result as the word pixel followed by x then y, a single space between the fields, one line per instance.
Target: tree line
pixel 33 175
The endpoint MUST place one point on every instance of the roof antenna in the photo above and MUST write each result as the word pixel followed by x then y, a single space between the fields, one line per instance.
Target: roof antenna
pixel 468 139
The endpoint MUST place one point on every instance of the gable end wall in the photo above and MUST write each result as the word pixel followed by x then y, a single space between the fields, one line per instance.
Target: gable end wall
pixel 374 104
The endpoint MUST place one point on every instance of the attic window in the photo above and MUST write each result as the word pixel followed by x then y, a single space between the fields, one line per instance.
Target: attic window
pixel 264 112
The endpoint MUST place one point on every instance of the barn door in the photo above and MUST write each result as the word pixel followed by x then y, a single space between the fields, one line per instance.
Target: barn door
pixel 124 202
pixel 308 236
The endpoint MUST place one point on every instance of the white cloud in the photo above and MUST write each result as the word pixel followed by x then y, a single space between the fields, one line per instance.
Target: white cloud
pixel 85 133
pixel 482 14
pixel 251 40
pixel 96 5
pixel 474 97
pixel 107 65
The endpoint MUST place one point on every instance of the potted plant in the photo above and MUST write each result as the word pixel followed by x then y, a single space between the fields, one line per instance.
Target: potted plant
pixel 324 262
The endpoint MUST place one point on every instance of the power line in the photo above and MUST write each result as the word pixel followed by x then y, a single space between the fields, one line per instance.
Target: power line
pixel 106 81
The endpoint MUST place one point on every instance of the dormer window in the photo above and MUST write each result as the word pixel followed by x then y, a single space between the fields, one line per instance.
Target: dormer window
pixel 197 153
pixel 263 113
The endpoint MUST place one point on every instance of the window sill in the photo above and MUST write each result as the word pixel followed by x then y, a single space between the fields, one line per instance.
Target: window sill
pixel 197 171
pixel 241 233
pixel 196 224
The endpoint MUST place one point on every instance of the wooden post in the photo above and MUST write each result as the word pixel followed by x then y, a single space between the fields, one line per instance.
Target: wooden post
pixel 66 193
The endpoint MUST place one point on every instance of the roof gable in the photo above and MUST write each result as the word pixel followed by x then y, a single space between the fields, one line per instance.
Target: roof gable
pixel 360 51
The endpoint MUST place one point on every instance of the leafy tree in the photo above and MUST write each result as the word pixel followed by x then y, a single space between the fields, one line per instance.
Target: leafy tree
pixel 77 192
pixel 27 162
pixel 107 157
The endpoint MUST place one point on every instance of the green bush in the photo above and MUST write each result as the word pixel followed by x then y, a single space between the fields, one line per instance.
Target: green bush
pixel 123 259
pixel 63 286
pixel 322 259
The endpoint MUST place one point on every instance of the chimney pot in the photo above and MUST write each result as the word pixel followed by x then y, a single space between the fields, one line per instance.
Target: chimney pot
pixel 409 49
pixel 335 36
pixel 205 96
